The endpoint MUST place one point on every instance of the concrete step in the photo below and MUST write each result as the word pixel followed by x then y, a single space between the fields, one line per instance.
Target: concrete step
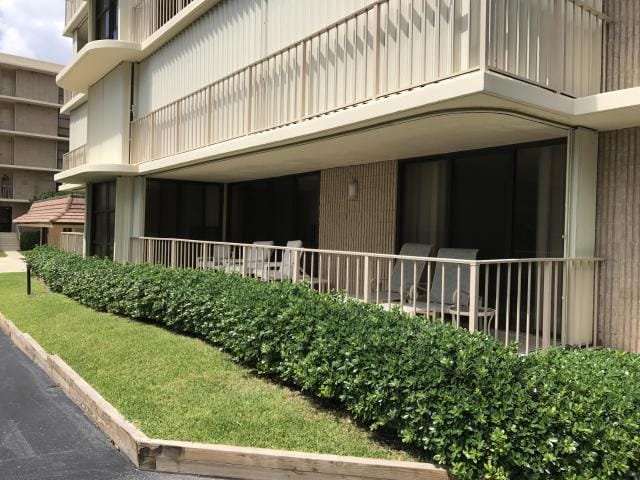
pixel 9 241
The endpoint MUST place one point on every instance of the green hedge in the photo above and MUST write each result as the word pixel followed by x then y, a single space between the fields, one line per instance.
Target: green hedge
pixel 29 240
pixel 462 399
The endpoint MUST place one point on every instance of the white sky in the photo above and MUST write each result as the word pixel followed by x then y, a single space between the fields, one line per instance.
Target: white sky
pixel 33 28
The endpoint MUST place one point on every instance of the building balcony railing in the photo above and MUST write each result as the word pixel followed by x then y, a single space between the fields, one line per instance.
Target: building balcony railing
pixel 379 51
pixel 72 242
pixel 75 158
pixel 71 8
pixel 6 191
pixel 537 303
pixel 68 96
pixel 148 16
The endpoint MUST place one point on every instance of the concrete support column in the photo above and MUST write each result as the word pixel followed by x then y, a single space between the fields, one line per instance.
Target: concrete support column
pixel 580 235
pixel 130 199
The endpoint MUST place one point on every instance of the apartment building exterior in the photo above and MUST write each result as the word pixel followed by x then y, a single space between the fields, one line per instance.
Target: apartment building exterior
pixel 33 134
pixel 506 130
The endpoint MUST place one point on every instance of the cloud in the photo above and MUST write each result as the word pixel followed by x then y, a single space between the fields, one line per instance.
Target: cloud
pixel 33 28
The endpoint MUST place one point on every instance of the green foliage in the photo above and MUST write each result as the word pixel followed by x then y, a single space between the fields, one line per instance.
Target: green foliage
pixel 50 194
pixel 461 398
pixel 28 240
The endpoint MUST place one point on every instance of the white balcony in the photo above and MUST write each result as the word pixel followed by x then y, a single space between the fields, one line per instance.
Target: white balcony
pixel 149 16
pixel 537 303
pixel 75 158
pixel 75 12
pixel 379 51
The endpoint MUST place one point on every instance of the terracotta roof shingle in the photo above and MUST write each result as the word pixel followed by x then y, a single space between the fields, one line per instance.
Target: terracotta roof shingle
pixel 64 210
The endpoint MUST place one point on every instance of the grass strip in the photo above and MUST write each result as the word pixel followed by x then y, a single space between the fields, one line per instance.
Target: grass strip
pixel 179 388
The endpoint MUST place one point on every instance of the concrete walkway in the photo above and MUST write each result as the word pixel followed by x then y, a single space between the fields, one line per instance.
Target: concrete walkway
pixel 13 262
pixel 43 435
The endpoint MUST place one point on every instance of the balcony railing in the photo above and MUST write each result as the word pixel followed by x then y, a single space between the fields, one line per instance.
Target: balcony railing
pixel 378 51
pixel 72 242
pixel 148 16
pixel 6 191
pixel 75 158
pixel 71 8
pixel 537 303
pixel 68 96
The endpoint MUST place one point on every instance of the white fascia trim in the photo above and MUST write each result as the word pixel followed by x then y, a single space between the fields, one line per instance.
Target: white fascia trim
pixel 94 61
pixel 28 168
pixel 14 133
pixel 28 101
pixel 71 187
pixel 91 171
pixel 77 101
pixel 14 200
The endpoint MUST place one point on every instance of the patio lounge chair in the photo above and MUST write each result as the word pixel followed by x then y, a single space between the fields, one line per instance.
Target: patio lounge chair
pixel 284 269
pixel 404 276
pixel 218 257
pixel 446 297
pixel 256 259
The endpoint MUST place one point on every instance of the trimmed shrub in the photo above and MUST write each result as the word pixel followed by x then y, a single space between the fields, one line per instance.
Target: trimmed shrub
pixel 462 399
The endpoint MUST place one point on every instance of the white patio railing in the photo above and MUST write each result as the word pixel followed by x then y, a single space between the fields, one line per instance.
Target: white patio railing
pixel 72 242
pixel 386 48
pixel 148 16
pixel 537 303
pixel 75 158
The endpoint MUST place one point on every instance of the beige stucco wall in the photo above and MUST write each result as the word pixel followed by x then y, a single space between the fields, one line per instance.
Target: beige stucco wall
pixel 7 116
pixel 618 238
pixel 618 197
pixel 26 184
pixel 7 81
pixel 35 119
pixel 34 152
pixel 367 224
pixel 622 45
pixel 36 86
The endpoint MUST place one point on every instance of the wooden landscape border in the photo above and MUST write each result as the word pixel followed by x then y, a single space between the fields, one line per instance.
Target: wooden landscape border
pixel 220 461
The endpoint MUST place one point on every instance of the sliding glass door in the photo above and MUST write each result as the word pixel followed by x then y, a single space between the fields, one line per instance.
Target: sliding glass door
pixel 507 202
pixel 277 209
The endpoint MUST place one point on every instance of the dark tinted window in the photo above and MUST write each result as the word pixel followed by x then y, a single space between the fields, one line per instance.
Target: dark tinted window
pixel 507 202
pixel 103 206
pixel 191 210
pixel 106 19
pixel 278 209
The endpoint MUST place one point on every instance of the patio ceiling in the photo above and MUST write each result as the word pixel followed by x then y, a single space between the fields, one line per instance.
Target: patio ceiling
pixel 436 133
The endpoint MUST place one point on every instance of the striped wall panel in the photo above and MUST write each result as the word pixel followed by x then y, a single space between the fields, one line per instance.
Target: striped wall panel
pixel 622 45
pixel 618 238
pixel 618 211
pixel 367 224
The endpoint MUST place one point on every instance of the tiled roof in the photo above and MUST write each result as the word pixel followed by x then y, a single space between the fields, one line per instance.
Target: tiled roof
pixel 65 210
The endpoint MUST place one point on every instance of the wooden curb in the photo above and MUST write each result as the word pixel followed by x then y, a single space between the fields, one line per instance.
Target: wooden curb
pixel 205 459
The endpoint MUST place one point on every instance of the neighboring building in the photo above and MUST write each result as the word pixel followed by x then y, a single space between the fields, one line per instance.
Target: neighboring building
pixel 508 127
pixel 53 217
pixel 33 134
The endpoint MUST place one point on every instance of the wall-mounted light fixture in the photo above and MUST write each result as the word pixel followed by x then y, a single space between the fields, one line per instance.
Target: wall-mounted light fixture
pixel 353 189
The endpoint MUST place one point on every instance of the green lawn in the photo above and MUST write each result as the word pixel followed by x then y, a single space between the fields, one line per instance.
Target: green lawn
pixel 2 254
pixel 179 388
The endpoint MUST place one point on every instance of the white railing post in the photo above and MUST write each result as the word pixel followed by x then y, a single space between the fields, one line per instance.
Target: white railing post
pixel 474 284
pixel 366 279
pixel 173 253
pixel 547 304
pixel 244 262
